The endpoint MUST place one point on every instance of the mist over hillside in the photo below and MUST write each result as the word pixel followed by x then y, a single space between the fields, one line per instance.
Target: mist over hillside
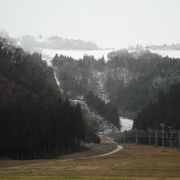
pixel 89 89
pixel 31 43
pixel 128 80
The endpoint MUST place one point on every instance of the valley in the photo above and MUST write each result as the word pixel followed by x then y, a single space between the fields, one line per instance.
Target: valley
pixel 89 90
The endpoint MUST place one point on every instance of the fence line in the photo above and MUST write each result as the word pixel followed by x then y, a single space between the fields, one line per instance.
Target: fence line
pixel 156 137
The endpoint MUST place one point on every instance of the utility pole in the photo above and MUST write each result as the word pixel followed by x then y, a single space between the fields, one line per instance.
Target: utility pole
pixel 136 136
pixel 156 138
pixel 170 134
pixel 149 134
pixel 124 137
pixel 179 140
pixel 162 126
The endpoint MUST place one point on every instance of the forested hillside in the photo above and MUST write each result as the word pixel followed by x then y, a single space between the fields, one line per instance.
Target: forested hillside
pixel 107 110
pixel 145 75
pixel 165 110
pixel 34 118
pixel 79 79
pixel 130 81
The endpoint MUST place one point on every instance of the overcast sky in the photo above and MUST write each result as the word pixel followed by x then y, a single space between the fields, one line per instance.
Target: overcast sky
pixel 109 23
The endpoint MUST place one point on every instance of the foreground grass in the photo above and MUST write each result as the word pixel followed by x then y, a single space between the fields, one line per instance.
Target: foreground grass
pixel 133 162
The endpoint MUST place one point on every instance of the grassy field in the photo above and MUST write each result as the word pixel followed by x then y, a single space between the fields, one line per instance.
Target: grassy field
pixel 133 162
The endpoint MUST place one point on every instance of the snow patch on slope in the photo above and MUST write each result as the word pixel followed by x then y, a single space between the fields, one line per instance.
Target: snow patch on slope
pixel 98 86
pixel 103 127
pixel 126 124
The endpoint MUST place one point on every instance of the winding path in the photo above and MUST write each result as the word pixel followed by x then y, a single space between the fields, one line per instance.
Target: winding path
pixel 118 148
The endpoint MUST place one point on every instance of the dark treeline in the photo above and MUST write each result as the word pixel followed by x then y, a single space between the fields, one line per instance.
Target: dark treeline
pixel 76 76
pixel 165 110
pixel 34 118
pixel 108 111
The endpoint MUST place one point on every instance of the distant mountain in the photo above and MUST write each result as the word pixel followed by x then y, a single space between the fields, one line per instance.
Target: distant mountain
pixel 163 47
pixel 32 44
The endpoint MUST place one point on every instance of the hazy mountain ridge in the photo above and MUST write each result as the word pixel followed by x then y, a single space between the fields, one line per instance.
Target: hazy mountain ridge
pixel 163 47
pixel 32 44
pixel 172 47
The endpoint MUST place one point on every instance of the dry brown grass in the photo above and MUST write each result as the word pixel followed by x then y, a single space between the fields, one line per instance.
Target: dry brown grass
pixel 133 162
